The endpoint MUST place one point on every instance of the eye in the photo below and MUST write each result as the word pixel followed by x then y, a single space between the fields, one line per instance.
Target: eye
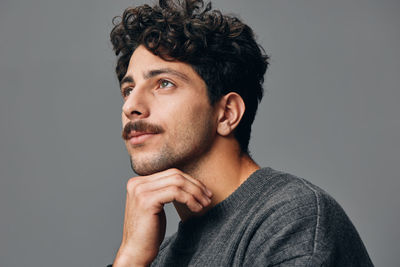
pixel 126 92
pixel 166 84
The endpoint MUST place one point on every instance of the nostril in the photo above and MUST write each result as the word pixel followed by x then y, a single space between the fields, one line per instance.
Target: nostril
pixel 135 112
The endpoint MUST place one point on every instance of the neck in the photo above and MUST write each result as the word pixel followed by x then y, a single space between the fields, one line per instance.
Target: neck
pixel 222 170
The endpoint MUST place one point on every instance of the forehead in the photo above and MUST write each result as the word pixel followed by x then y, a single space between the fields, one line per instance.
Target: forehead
pixel 142 61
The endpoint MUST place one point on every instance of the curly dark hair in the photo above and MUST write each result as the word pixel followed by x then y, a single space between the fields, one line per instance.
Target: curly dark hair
pixel 220 48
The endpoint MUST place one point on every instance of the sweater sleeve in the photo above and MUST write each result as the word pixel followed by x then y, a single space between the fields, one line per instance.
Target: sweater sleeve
pixel 306 229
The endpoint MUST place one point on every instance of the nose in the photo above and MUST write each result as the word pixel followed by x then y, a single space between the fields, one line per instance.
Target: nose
pixel 136 105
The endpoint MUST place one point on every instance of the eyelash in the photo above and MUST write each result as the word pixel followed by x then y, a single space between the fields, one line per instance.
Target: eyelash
pixel 161 81
pixel 126 91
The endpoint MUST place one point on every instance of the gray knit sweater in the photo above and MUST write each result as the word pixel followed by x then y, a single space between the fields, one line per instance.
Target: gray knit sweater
pixel 272 219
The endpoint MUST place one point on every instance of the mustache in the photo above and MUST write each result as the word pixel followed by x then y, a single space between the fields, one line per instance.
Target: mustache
pixel 140 126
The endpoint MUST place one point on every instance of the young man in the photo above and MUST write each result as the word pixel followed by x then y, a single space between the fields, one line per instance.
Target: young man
pixel 191 79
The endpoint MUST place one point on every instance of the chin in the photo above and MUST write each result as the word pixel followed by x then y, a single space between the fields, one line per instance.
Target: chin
pixel 147 163
pixel 144 169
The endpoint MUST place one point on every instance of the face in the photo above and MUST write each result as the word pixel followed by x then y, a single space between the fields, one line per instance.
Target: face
pixel 167 119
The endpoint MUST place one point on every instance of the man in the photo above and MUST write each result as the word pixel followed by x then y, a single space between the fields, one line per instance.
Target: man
pixel 191 79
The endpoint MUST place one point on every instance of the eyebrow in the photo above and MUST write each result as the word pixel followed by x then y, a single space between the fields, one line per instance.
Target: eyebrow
pixel 126 79
pixel 152 73
pixel 156 72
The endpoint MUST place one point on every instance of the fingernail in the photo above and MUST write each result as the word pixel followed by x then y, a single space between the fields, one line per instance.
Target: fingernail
pixel 209 193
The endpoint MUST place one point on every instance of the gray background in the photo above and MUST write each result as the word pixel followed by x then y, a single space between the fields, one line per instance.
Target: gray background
pixel 330 114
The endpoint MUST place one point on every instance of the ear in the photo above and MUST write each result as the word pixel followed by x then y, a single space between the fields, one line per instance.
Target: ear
pixel 231 109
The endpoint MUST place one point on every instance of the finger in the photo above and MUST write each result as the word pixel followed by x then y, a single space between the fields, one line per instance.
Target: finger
pixel 178 181
pixel 154 176
pixel 174 171
pixel 172 193
pixel 198 183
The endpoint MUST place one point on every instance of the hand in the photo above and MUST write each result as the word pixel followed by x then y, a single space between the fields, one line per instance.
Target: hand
pixel 145 221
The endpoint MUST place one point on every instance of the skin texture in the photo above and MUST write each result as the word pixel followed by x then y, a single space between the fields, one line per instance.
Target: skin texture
pixel 182 148
pixel 160 100
pixel 145 221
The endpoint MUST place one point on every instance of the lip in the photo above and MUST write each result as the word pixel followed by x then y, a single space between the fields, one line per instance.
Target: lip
pixel 136 138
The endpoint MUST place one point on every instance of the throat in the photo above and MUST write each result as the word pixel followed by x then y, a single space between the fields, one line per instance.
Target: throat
pixel 222 177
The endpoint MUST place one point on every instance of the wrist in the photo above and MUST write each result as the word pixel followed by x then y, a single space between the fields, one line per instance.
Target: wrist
pixel 122 261
pixel 127 258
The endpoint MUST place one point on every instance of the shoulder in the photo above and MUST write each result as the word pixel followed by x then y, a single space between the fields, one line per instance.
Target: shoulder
pixel 297 219
pixel 287 196
pixel 295 199
pixel 287 191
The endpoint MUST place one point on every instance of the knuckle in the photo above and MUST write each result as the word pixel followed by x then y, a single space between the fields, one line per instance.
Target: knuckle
pixel 174 171
pixel 190 199
pixel 130 185
pixel 178 180
pixel 134 187
pixel 175 189
pixel 137 189
pixel 198 191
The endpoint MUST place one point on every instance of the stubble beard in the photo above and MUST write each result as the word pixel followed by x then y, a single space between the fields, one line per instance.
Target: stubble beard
pixel 157 163
pixel 185 156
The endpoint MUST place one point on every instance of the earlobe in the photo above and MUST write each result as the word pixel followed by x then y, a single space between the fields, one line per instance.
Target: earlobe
pixel 232 108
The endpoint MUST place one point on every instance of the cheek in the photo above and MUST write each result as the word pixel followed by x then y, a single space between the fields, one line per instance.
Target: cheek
pixel 194 119
pixel 185 113
pixel 177 119
pixel 182 114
